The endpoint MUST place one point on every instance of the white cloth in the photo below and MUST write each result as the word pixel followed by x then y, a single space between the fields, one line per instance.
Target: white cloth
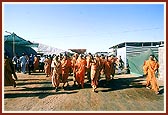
pixel 23 62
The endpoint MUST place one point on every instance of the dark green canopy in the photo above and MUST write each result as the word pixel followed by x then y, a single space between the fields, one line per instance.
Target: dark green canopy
pixel 20 45
pixel 17 40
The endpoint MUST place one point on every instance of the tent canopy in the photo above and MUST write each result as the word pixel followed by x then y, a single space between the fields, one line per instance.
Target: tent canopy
pixel 8 48
pixel 20 46
pixel 48 50
pixel 13 38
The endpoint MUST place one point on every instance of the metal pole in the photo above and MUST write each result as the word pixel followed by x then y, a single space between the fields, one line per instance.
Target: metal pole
pixel 13 36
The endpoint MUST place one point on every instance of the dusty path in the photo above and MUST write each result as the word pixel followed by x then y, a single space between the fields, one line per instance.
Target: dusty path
pixel 125 93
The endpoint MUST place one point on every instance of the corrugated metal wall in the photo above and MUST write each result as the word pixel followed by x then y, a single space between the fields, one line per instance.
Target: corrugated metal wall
pixel 131 51
pixel 134 50
pixel 162 62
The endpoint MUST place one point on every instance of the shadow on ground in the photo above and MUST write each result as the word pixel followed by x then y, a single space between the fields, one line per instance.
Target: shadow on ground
pixel 46 88
pixel 122 83
pixel 40 95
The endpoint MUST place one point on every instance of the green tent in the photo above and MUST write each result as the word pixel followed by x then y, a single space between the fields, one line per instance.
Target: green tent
pixel 136 62
pixel 20 45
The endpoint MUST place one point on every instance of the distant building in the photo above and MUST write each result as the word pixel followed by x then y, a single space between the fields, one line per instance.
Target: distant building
pixel 131 51
pixel 79 51
pixel 102 53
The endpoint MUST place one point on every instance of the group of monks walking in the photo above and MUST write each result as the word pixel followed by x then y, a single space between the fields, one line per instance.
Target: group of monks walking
pixel 94 67
pixel 80 65
pixel 60 67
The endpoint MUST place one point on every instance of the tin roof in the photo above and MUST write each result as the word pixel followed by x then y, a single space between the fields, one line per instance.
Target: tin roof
pixel 138 44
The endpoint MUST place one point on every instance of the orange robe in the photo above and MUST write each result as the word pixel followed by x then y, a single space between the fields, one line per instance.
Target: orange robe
pixel 65 69
pixel 73 63
pixel 88 59
pixel 56 73
pixel 150 67
pixel 94 74
pixel 88 66
pixel 47 66
pixel 102 67
pixel 69 64
pixel 108 69
pixel 8 71
pixel 113 60
pixel 36 63
pixel 99 65
pixel 81 69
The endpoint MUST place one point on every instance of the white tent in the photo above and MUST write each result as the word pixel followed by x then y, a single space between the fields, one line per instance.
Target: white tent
pixel 48 50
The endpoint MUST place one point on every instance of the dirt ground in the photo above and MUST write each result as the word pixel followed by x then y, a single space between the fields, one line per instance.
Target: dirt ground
pixel 125 92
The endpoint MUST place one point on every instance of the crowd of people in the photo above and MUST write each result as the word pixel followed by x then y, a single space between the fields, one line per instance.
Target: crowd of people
pixel 59 68
pixel 22 64
pixel 25 63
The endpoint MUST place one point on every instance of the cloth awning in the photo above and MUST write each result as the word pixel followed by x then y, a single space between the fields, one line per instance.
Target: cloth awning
pixel 13 38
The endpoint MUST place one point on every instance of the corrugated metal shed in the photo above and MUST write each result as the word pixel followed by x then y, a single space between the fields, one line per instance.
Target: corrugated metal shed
pixel 138 44
pixel 133 49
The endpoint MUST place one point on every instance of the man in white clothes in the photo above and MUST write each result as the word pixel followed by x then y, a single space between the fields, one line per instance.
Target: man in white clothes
pixel 23 62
